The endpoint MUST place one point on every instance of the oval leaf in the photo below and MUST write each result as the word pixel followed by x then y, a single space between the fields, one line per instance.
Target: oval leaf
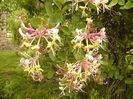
pixel 113 3
pixel 128 5
pixel 129 81
pixel 121 2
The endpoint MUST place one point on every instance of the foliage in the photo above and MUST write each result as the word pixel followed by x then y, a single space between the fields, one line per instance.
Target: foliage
pixel 117 54
pixel 8 5
pixel 123 3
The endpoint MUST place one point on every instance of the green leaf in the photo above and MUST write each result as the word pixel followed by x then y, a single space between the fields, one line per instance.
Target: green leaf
pixel 61 55
pixel 113 3
pixel 65 30
pixel 48 7
pixel 57 4
pixel 129 0
pixel 62 1
pixel 35 22
pixel 122 7
pixel 128 5
pixel 50 74
pixel 129 81
pixel 91 6
pixel 52 56
pixel 78 55
pixel 55 18
pixel 121 2
pixel 130 67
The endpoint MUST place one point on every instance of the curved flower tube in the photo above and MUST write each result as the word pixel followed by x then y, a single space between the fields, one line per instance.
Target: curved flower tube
pixel 26 35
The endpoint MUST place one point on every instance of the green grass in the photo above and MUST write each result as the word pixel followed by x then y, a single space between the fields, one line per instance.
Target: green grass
pixel 18 85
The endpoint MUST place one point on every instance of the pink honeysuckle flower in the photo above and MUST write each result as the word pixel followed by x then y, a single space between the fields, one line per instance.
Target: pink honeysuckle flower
pixel 92 35
pixel 25 62
pixel 51 32
pixel 101 80
pixel 24 27
pixel 26 35
pixel 48 36
pixel 90 68
pixel 84 35
pixel 57 26
pixel 77 66
pixel 98 58
pixel 102 33
pixel 46 33
pixel 90 0
pixel 46 29
pixel 61 79
pixel 70 76
pixel 89 57
pixel 98 35
pixel 61 70
pixel 80 33
pixel 31 29
pixel 34 59
pixel 38 33
pixel 88 27
pixel 62 84
pixel 37 77
pixel 85 63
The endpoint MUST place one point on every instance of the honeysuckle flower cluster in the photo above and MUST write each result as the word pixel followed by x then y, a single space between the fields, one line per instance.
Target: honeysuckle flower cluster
pixel 75 75
pixel 95 38
pixel 32 45
pixel 100 4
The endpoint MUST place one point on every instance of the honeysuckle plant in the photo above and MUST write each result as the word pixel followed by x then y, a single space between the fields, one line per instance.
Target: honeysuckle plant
pixel 45 40
pixel 75 75
pixel 32 47
pixel 81 61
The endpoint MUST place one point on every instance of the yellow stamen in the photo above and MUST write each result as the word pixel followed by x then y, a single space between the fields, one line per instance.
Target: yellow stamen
pixel 88 73
pixel 89 20
pixel 73 41
pixel 50 44
pixel 78 45
pixel 94 63
pixel 88 47
pixel 36 47
pixel 27 44
pixel 83 8
pixel 24 37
